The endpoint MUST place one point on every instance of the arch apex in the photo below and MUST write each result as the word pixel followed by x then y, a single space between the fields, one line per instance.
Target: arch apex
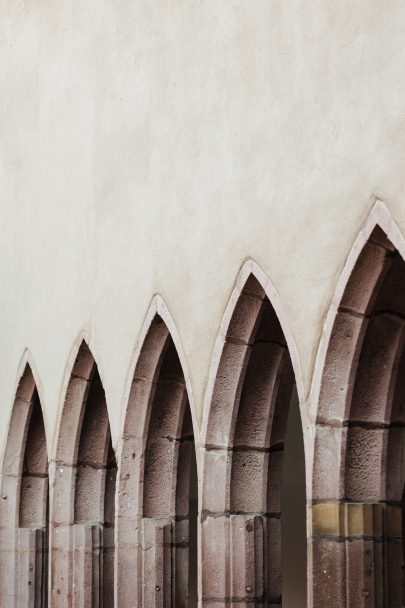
pixel 251 268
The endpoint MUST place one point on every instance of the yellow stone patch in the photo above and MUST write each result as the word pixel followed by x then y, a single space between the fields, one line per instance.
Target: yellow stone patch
pixel 355 519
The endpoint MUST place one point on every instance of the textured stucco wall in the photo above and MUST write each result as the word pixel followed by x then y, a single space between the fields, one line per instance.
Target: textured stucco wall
pixel 152 147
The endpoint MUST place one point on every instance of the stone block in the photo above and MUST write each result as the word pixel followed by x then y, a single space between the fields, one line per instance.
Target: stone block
pixel 258 396
pixel 340 367
pixel 249 481
pixel 374 386
pixel 226 394
pixel 215 557
pixel 360 290
pixel 365 463
pixel 244 320
pixel 330 447
pixel 328 573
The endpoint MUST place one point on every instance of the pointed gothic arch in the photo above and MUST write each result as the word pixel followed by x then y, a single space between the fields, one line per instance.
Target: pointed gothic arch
pixel 83 498
pixel 24 502
pixel 255 369
pixel 358 472
pixel 157 493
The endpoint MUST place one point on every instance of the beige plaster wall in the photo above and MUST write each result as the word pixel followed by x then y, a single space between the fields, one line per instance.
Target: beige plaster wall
pixel 152 147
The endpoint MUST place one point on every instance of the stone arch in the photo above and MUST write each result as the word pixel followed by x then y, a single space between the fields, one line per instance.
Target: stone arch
pixel 255 368
pixel 358 474
pixel 24 502
pixel 156 469
pixel 83 497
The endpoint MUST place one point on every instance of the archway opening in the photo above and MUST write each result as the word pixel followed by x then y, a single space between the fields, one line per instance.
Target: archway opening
pixel 84 494
pixel 169 454
pixel 34 502
pixel 158 481
pixel 25 504
pixel 242 537
pixel 94 494
pixel 358 467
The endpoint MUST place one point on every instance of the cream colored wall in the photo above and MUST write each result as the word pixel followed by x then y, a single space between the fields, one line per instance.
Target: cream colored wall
pixel 152 147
